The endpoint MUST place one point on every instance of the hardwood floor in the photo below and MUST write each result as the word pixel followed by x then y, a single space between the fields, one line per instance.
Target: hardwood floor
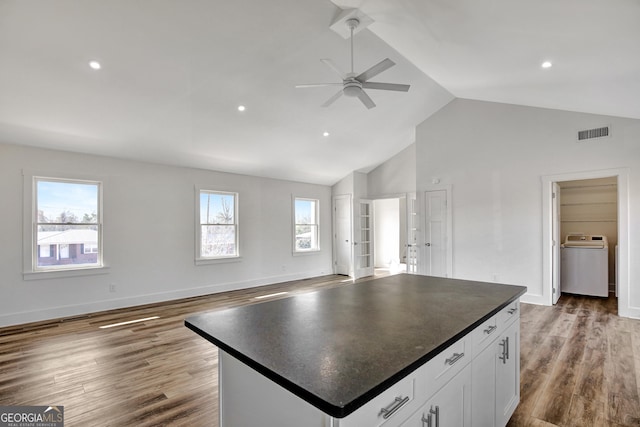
pixel 580 363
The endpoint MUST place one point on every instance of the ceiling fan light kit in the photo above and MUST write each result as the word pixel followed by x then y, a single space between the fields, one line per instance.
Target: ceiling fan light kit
pixel 352 84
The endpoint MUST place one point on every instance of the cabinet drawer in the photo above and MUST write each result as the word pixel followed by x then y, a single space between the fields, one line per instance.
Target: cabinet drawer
pixel 484 334
pixel 388 409
pixel 439 370
pixel 509 314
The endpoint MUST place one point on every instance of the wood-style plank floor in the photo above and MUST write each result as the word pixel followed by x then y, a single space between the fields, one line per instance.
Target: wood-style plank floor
pixel 580 363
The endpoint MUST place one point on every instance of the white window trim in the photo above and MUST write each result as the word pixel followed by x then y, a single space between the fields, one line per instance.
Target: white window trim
pixel 30 247
pixel 200 260
pixel 315 250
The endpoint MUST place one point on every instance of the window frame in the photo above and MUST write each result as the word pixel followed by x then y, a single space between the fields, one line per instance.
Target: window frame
pixel 31 270
pixel 315 225
pixel 199 258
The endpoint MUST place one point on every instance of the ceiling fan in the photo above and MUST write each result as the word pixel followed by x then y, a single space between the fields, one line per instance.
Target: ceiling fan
pixel 353 85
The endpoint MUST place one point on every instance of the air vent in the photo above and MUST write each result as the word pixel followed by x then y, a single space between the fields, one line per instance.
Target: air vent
pixel 602 132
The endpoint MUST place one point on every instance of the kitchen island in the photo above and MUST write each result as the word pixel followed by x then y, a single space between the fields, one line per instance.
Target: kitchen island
pixel 370 353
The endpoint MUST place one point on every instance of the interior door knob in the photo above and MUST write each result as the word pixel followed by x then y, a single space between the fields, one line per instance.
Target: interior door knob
pixel 427 244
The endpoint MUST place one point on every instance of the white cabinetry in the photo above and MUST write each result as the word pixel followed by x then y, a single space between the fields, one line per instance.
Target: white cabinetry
pixel 508 374
pixel 449 407
pixel 495 375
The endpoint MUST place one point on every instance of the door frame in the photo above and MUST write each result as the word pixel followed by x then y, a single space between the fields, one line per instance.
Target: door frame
pixel 622 175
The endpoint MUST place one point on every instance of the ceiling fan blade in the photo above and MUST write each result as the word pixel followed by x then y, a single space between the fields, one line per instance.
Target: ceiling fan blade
pixel 368 102
pixel 332 99
pixel 319 85
pixel 381 66
pixel 385 86
pixel 334 67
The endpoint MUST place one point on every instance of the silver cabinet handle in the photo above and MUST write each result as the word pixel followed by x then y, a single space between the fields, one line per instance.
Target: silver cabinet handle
pixel 435 412
pixel 426 420
pixel 513 310
pixel 393 407
pixel 505 350
pixel 453 359
pixel 507 355
pixel 490 329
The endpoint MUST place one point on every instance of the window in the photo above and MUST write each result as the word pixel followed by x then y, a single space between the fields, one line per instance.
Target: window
pixel 305 229
pixel 218 225
pixel 66 220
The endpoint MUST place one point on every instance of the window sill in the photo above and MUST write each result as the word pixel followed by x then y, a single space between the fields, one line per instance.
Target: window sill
pixel 57 274
pixel 305 253
pixel 213 261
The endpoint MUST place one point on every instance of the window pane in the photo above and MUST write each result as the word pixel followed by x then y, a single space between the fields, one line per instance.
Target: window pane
pixel 216 208
pixel 67 219
pixel 67 202
pixel 305 211
pixel 65 247
pixel 218 240
pixel 306 237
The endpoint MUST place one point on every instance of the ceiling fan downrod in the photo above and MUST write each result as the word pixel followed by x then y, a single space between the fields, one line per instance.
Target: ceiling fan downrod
pixel 352 24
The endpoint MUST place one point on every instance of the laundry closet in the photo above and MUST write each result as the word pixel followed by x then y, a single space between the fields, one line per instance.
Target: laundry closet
pixel 589 236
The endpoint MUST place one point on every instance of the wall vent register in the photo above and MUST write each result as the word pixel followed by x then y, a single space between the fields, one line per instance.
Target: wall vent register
pixel 602 132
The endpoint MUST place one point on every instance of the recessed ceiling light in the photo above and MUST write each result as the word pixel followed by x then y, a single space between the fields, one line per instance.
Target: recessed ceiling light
pixel 241 108
pixel 325 133
pixel 95 65
pixel 546 64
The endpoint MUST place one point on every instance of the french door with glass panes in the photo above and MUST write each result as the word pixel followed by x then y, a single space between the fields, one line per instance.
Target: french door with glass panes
pixel 363 243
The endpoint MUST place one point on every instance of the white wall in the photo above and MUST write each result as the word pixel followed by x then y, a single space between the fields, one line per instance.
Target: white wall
pixel 395 176
pixel 495 156
pixel 149 236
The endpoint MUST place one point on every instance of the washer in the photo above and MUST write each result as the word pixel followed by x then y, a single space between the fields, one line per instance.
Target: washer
pixel 585 265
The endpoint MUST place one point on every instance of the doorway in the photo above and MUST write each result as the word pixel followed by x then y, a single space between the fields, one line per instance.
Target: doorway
pixel 597 222
pixel 390 231
pixel 589 207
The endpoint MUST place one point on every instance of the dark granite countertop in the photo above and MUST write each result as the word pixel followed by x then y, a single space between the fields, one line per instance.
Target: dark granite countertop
pixel 339 348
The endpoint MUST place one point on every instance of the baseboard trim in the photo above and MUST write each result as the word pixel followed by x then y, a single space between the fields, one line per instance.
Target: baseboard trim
pixel 61 312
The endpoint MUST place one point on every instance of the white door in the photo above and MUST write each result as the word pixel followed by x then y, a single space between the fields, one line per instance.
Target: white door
pixel 342 235
pixel 435 233
pixel 363 243
pixel 412 234
pixel 555 242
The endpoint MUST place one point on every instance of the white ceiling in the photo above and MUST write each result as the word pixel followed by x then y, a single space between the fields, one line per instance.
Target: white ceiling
pixel 174 73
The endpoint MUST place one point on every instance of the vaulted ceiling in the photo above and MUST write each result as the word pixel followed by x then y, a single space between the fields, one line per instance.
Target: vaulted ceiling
pixel 173 74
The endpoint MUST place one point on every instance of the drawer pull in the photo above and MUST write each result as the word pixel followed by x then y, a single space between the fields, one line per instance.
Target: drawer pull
pixel 490 329
pixel 393 407
pixel 453 359
pixel 513 310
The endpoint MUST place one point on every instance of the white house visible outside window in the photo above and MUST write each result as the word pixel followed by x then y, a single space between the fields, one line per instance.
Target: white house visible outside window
pixel 66 218
pixel 305 230
pixel 218 224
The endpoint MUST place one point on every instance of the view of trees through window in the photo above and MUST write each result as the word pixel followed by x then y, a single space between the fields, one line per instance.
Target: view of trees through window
pixel 306 225
pixel 67 223
pixel 218 225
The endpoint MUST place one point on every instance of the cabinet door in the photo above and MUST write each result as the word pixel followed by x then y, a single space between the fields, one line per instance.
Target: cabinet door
pixel 483 385
pixel 448 407
pixel 508 373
